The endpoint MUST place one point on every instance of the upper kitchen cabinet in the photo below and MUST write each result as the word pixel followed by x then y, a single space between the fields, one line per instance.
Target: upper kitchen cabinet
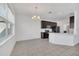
pixel 46 24
pixel 72 22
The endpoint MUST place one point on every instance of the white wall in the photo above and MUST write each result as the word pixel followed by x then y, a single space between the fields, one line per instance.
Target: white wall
pixel 76 37
pixel 62 24
pixel 26 28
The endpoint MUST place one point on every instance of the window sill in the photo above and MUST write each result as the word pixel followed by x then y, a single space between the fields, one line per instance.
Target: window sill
pixel 2 42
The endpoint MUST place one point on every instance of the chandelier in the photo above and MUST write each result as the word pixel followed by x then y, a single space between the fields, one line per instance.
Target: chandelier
pixel 36 17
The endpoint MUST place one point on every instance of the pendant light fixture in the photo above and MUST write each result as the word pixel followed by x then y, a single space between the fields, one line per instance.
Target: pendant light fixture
pixel 36 17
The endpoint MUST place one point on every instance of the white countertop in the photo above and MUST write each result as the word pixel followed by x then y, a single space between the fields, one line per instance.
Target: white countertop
pixel 60 33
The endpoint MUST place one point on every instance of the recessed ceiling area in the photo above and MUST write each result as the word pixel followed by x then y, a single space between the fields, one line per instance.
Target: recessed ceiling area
pixel 51 11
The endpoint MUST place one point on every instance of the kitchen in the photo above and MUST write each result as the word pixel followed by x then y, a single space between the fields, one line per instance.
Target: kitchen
pixel 60 32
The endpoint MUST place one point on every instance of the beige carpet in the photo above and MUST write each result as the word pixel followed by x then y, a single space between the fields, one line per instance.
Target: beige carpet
pixel 41 47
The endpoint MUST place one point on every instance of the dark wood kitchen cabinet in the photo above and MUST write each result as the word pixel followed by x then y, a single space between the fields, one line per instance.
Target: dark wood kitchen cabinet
pixel 72 22
pixel 44 35
pixel 44 24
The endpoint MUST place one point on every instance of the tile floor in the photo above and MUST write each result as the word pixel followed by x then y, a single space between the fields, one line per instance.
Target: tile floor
pixel 41 47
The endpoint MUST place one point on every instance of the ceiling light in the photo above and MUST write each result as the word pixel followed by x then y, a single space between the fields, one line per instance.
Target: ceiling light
pixel 50 12
pixel 36 17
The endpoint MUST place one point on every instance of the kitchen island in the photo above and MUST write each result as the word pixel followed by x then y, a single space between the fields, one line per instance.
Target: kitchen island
pixel 61 38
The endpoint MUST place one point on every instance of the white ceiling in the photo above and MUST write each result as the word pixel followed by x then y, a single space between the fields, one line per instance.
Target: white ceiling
pixel 59 10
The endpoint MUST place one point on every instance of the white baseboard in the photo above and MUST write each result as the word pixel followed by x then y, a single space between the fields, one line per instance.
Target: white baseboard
pixel 28 39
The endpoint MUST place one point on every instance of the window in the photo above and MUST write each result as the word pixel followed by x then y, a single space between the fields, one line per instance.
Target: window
pixel 7 24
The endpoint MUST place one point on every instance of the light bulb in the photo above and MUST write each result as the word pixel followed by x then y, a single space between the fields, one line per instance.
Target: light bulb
pixel 34 16
pixel 38 17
